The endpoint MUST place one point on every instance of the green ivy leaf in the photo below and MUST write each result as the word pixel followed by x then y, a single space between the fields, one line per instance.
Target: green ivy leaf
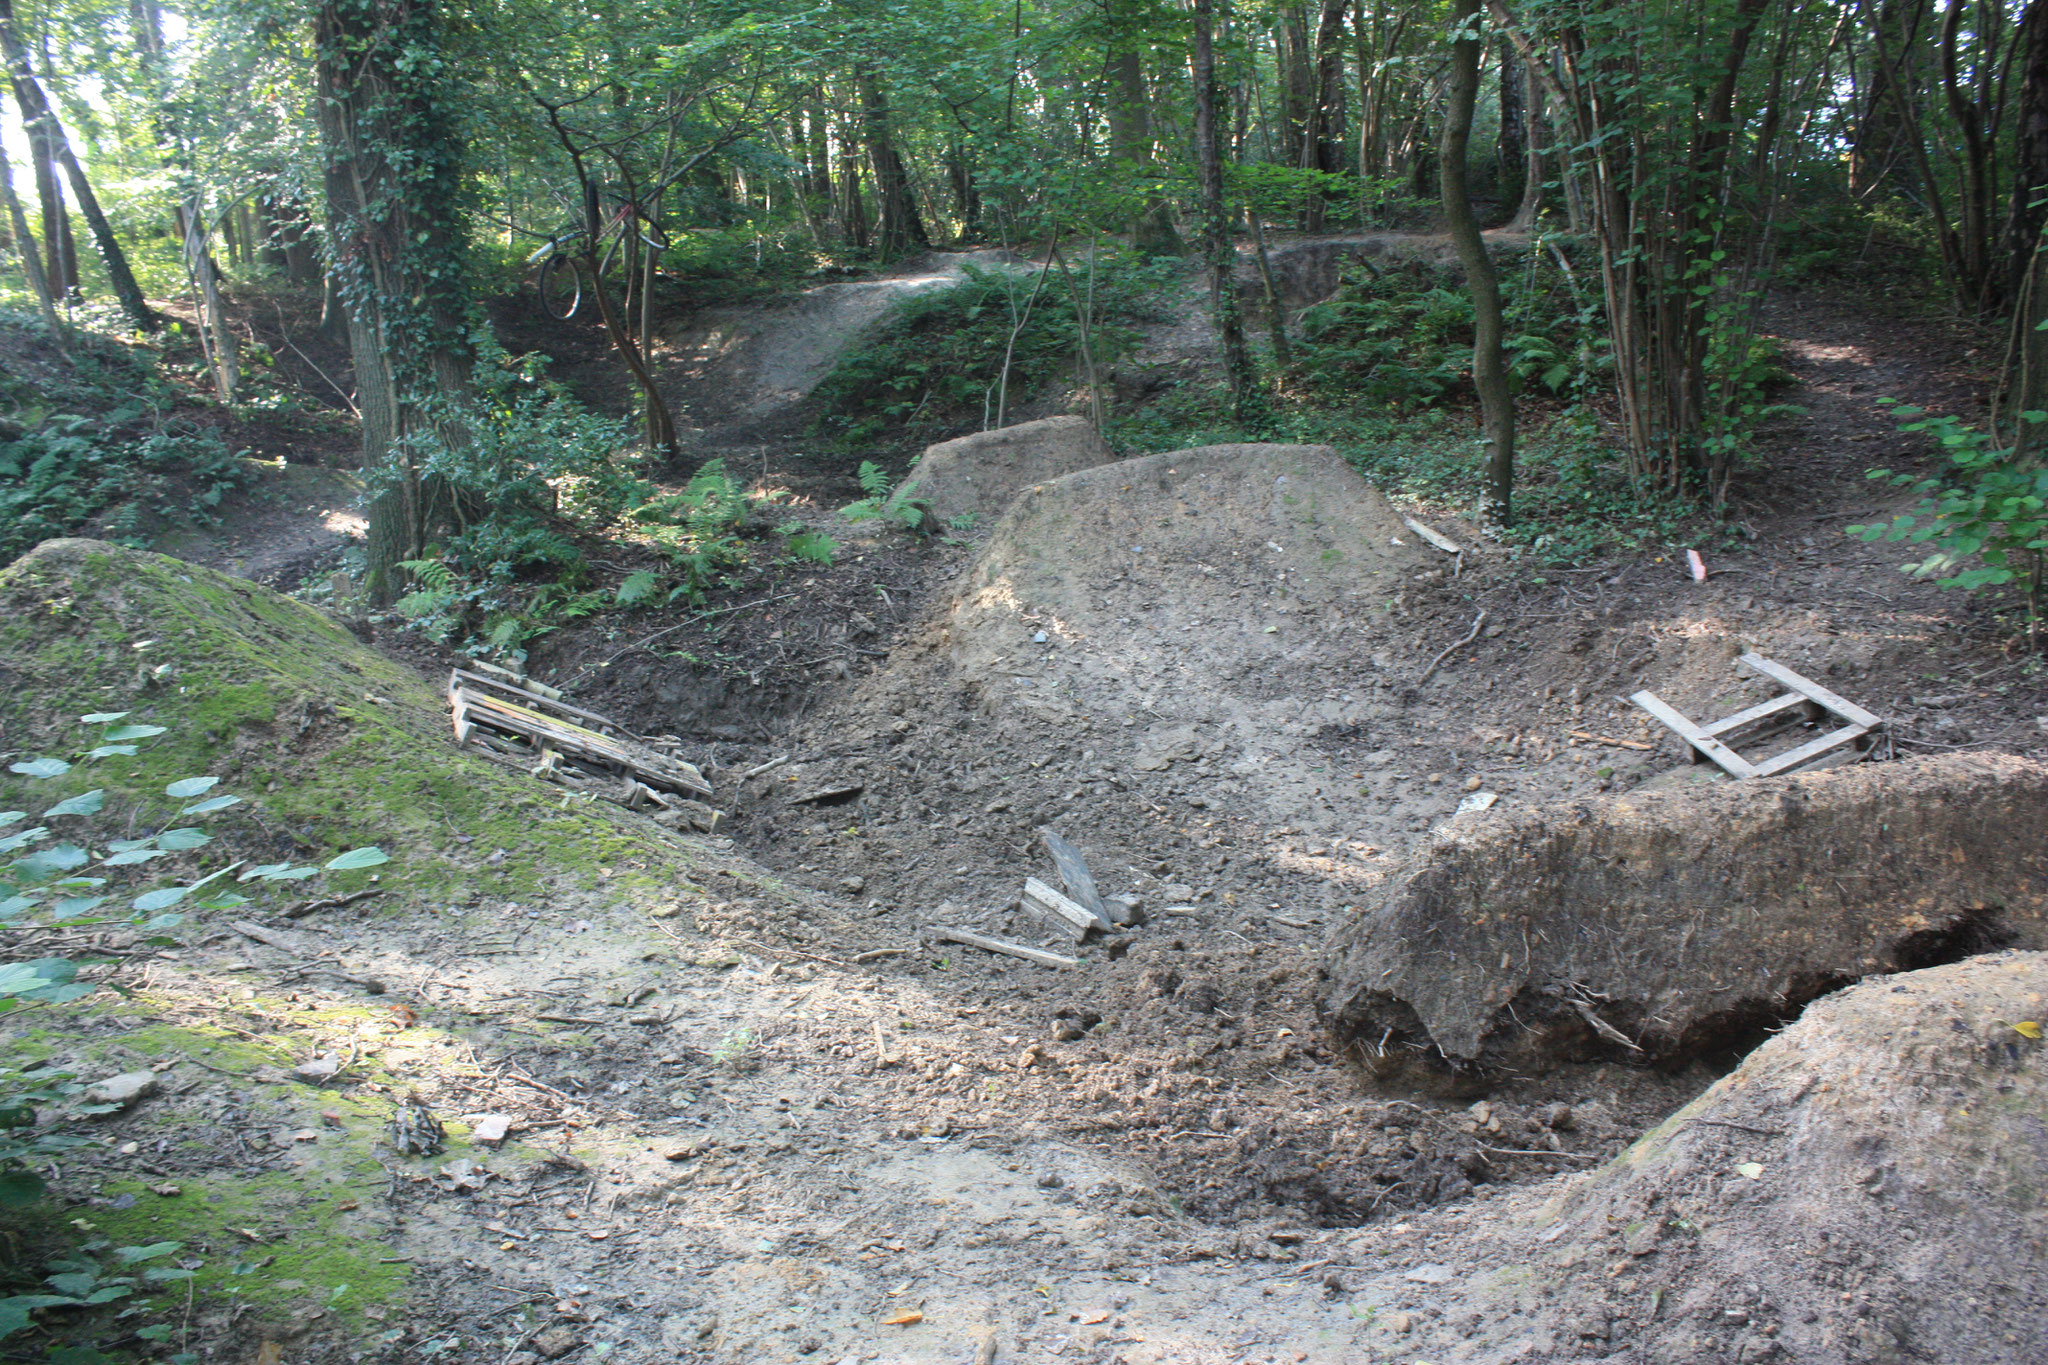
pixel 211 804
pixel 40 767
pixel 358 858
pixel 122 733
pixel 101 718
pixel 190 786
pixel 85 803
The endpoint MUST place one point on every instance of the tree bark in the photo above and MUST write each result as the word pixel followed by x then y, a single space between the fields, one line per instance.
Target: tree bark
pixel 1130 135
pixel 31 255
pixel 901 229
pixel 37 113
pixel 1511 151
pixel 1535 143
pixel 1489 366
pixel 392 174
pixel 2028 263
pixel 1217 248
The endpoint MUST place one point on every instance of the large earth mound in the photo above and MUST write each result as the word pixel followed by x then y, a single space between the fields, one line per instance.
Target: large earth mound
pixel 1661 923
pixel 977 477
pixel 1867 1187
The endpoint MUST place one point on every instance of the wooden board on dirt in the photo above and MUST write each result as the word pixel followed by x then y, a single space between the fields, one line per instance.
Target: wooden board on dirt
pixel 476 700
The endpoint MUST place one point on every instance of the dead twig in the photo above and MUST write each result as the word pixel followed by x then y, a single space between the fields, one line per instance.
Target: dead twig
pixel 304 908
pixel 1478 623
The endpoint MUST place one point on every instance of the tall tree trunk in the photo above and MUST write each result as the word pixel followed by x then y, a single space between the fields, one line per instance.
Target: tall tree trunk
pixel 1130 136
pixel 852 207
pixel 901 229
pixel 1536 144
pixel 60 248
pixel 966 193
pixel 36 112
pixel 1489 365
pixel 25 247
pixel 2028 262
pixel 820 147
pixel 1512 159
pixel 1217 249
pixel 392 173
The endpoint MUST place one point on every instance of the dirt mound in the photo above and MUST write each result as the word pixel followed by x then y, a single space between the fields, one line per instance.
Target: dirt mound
pixel 1867 1187
pixel 1204 607
pixel 1662 923
pixel 977 476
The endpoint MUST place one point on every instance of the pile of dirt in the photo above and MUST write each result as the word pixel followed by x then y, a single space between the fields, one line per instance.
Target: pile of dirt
pixel 978 476
pixel 1866 1187
pixel 1670 923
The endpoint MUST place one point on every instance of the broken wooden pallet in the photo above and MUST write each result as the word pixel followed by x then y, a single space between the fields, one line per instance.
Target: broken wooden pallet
pixel 1711 742
pixel 478 700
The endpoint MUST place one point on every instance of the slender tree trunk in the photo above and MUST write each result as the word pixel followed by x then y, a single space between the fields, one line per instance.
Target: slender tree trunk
pixel 1512 158
pixel 31 255
pixel 815 128
pixel 1489 366
pixel 60 248
pixel 901 229
pixel 852 207
pixel 36 112
pixel 1535 142
pixel 2028 263
pixel 1217 248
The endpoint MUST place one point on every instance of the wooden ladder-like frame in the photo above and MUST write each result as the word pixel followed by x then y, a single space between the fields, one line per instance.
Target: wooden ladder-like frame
pixel 1817 702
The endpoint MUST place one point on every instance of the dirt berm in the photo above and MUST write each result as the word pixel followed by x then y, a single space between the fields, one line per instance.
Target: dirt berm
pixel 1662 924
pixel 1867 1187
pixel 979 475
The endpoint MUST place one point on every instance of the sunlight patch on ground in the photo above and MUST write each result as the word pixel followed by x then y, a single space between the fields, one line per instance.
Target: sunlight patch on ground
pixel 345 523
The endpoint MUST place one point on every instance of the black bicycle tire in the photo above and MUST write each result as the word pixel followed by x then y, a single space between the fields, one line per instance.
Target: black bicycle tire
pixel 549 271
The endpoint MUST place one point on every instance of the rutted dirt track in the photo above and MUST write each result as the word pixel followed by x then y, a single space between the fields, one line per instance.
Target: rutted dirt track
pixel 744 1142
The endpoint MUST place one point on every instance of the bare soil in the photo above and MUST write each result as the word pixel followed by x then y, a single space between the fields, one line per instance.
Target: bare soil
pixel 1156 1157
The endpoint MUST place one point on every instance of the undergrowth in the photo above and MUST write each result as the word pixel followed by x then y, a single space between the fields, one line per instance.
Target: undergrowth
pixel 937 360
pixel 97 442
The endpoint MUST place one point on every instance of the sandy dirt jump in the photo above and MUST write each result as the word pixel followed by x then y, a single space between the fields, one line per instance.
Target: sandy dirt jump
pixel 977 477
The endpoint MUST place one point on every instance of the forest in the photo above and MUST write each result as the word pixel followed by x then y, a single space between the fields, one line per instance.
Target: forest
pixel 940 680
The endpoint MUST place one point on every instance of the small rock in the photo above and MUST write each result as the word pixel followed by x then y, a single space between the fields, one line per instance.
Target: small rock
pixel 1400 1324
pixel 555 1342
pixel 166 1191
pixel 853 886
pixel 1284 1237
pixel 1050 1180
pixel 1558 1116
pixel 1126 909
pixel 319 1068
pixel 124 1089
pixel 490 1128
pixel 1474 783
pixel 1430 1273
pixel 1641 1238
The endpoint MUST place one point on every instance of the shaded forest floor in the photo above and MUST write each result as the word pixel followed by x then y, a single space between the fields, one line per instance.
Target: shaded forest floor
pixel 805 1145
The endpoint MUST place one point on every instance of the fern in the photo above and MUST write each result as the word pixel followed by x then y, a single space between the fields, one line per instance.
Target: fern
pixel 899 505
pixel 814 547
pixel 638 587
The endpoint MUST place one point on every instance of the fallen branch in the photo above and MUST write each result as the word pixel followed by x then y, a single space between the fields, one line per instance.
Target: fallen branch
pixel 1617 743
pixel 808 957
pixel 1004 946
pixel 1478 622
pixel 305 908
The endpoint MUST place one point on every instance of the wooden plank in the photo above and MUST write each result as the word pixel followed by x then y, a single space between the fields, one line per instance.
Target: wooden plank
pixel 1847 710
pixel 1754 713
pixel 1080 883
pixel 1063 913
pixel 481 709
pixel 1811 750
pixel 998 945
pixel 1731 762
pixel 538 700
pixel 1436 538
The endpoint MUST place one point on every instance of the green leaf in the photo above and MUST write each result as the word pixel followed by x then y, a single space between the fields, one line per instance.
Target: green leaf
pixel 190 786
pixel 211 804
pixel 101 718
pixel 22 837
pixel 77 1283
pixel 8 817
pixel 358 857
pixel 40 767
pixel 184 839
pixel 110 750
pixel 48 862
pixel 122 733
pixel 130 857
pixel 163 898
pixel 153 1251
pixel 85 803
pixel 19 1189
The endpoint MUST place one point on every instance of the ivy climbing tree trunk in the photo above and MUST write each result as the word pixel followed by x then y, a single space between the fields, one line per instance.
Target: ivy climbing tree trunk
pixel 37 114
pixel 1217 248
pixel 1489 367
pixel 392 178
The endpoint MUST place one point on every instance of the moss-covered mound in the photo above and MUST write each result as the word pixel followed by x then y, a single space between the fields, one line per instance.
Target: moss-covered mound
pixel 331 745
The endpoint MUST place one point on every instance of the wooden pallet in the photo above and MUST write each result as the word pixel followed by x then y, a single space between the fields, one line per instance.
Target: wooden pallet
pixel 1816 703
pixel 547 724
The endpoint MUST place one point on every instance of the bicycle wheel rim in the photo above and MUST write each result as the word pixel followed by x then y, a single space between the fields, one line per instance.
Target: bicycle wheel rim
pixel 561 288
